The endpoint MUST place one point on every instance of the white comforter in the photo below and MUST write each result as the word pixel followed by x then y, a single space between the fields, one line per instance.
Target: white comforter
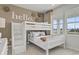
pixel 50 42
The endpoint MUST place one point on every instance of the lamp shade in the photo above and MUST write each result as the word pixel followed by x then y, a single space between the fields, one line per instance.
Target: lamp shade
pixel 2 22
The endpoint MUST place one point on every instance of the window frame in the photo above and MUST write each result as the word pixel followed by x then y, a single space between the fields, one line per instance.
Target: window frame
pixel 74 27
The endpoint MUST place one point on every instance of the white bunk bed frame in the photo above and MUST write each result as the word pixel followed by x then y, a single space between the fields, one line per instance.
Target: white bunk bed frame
pixel 26 26
pixel 37 26
pixel 42 26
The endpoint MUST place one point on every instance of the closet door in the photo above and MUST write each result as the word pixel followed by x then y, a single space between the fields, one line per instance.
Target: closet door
pixel 18 39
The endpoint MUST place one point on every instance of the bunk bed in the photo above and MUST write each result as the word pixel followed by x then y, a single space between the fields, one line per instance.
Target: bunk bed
pixel 45 42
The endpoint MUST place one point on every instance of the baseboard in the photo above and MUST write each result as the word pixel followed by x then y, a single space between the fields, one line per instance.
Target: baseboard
pixel 73 48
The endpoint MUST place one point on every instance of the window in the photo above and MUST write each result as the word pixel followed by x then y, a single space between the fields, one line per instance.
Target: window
pixel 73 24
pixel 61 25
pixel 55 26
pixel 57 23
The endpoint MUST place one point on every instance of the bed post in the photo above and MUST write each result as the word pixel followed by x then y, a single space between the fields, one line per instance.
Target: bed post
pixel 65 42
pixel 47 52
pixel 64 45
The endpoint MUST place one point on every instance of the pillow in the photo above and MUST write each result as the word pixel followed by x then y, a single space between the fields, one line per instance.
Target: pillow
pixel 30 35
pixel 35 35
pixel 44 39
pixel 41 33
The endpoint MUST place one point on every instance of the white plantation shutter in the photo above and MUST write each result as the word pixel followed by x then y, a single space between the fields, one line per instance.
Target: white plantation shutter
pixel 2 22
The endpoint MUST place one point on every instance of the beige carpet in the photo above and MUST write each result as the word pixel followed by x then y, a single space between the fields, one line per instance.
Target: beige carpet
pixel 35 50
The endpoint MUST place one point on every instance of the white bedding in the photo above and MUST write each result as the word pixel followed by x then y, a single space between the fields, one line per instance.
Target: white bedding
pixel 51 41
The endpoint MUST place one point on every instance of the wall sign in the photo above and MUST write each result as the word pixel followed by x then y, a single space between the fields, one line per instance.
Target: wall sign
pixel 21 17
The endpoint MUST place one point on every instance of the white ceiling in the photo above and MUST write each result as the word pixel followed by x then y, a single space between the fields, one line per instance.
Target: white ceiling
pixel 38 7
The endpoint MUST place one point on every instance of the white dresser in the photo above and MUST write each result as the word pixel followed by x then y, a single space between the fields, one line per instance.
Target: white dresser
pixel 18 39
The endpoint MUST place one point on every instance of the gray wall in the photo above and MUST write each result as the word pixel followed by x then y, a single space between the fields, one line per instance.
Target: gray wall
pixel 72 42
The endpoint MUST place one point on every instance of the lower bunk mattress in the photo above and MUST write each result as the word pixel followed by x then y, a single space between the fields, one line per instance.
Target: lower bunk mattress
pixel 50 42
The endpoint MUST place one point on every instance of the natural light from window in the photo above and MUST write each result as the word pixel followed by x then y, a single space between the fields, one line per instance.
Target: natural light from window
pixel 73 24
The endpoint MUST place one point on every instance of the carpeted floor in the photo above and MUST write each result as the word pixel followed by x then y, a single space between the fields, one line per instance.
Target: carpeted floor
pixel 35 50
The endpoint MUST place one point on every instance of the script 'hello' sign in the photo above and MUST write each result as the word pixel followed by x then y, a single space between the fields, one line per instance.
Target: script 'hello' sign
pixel 21 17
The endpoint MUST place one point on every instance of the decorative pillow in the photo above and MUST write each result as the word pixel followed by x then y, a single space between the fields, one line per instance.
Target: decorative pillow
pixel 43 39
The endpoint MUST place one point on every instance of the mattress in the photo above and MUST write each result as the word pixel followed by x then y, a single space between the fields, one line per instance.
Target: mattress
pixel 50 43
